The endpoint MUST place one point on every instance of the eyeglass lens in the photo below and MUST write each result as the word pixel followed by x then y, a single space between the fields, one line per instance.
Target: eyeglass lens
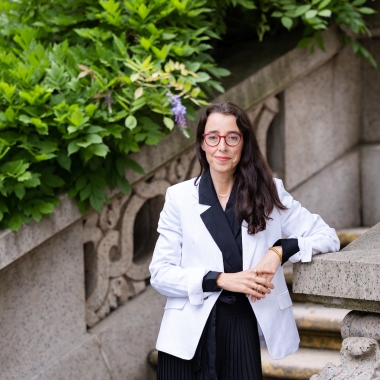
pixel 232 139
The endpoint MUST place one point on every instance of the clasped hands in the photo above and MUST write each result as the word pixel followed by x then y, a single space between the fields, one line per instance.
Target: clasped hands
pixel 253 282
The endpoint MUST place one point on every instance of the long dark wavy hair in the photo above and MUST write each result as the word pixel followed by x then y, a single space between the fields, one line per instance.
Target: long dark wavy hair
pixel 256 192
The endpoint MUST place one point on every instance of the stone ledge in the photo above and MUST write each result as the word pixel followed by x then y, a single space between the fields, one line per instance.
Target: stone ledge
pixel 346 279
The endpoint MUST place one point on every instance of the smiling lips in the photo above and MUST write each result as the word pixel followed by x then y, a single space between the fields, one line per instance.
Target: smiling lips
pixel 222 158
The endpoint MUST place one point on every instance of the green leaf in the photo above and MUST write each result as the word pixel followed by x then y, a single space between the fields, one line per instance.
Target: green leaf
pixel 219 72
pixel 169 123
pixel 304 42
pixel 323 4
pixel 100 150
pixel 357 3
pixel 85 193
pixel 366 10
pixel 123 185
pixel 130 122
pixel 46 208
pixel 96 203
pixel 53 180
pixel 72 147
pixel 19 190
pixel 134 166
pixel 9 114
pixel 311 14
pixel 90 109
pixel 287 22
pixel 202 77
pixel 64 160
pixel 325 13
pixel 15 222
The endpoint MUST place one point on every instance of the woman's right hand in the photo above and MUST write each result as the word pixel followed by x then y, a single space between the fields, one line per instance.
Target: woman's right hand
pixel 247 282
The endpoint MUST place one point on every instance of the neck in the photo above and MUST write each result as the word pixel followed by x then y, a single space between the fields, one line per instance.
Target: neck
pixel 223 182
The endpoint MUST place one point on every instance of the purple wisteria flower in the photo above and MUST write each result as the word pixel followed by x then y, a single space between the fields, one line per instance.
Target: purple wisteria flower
pixel 178 109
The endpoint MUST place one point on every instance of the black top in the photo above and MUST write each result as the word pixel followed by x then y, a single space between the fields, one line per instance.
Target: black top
pixel 226 232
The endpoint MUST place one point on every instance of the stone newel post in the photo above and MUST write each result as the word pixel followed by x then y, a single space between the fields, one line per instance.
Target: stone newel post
pixel 349 279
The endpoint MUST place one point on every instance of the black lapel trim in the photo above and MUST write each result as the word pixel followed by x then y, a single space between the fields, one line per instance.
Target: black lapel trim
pixel 217 224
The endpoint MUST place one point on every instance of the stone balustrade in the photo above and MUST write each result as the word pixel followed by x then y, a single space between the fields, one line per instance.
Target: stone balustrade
pixel 349 279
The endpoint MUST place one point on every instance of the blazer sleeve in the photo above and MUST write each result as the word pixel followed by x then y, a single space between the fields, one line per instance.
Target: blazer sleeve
pixel 167 275
pixel 313 234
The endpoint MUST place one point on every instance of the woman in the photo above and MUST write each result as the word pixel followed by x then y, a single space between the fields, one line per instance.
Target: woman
pixel 219 254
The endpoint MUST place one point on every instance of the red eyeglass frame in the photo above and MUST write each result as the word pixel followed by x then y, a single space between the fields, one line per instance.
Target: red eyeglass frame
pixel 222 137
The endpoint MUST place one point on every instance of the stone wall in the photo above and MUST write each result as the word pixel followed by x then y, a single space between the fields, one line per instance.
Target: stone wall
pixel 75 300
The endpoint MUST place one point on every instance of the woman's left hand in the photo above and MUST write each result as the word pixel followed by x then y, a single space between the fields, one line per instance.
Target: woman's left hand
pixel 268 264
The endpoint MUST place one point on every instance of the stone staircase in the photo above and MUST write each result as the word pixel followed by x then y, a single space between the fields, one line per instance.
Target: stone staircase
pixel 319 329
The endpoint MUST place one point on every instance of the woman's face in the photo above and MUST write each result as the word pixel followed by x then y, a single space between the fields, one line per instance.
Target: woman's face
pixel 222 158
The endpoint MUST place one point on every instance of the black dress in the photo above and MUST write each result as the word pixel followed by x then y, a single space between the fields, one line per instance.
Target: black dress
pixel 229 348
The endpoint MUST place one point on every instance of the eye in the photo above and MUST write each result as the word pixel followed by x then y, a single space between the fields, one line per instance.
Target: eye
pixel 233 137
pixel 212 138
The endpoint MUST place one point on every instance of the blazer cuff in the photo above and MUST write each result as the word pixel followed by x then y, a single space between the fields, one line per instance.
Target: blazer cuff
pixel 289 248
pixel 209 282
pixel 306 250
pixel 194 282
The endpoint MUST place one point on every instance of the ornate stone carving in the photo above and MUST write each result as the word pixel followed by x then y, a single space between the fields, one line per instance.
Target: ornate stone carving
pixel 261 117
pixel 116 270
pixel 360 353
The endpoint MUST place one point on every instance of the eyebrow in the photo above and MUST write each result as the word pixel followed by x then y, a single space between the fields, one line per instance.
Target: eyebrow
pixel 216 131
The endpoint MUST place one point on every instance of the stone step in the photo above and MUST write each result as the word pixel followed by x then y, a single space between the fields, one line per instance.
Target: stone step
pixel 301 365
pixel 319 326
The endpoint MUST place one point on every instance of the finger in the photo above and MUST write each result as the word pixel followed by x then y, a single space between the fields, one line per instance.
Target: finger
pixel 257 287
pixel 264 282
pixel 262 271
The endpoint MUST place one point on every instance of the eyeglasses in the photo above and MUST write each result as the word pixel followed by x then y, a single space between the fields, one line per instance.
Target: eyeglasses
pixel 231 139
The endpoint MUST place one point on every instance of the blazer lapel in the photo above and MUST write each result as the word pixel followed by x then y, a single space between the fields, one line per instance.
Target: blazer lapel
pixel 249 247
pixel 217 225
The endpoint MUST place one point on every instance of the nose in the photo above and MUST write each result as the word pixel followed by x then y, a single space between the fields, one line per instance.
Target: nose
pixel 222 144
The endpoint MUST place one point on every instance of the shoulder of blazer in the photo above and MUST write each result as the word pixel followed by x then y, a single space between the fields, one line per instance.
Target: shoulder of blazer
pixel 183 190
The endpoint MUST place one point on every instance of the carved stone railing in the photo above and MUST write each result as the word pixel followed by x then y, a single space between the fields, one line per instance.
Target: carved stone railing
pixel 349 279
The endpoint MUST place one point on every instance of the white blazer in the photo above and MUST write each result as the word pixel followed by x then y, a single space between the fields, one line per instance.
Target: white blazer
pixel 185 252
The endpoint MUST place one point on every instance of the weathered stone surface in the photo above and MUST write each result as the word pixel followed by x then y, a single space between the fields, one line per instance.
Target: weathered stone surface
pixel 348 235
pixel 298 366
pixel 334 192
pixel 86 362
pixel 370 177
pixel 322 116
pixel 371 94
pixel 369 240
pixel 363 325
pixel 14 245
pixel 129 334
pixel 42 305
pixel 360 361
pixel 346 274
pixel 273 78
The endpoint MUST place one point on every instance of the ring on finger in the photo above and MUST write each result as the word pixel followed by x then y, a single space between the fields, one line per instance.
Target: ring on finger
pixel 257 285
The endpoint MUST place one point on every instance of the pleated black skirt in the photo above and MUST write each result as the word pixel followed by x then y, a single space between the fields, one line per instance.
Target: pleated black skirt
pixel 237 348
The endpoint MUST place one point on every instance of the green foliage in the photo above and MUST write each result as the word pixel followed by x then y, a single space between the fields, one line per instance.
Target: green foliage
pixel 82 85
pixel 315 16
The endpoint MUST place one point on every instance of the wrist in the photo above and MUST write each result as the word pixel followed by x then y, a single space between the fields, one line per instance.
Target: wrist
pixel 277 251
pixel 219 280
